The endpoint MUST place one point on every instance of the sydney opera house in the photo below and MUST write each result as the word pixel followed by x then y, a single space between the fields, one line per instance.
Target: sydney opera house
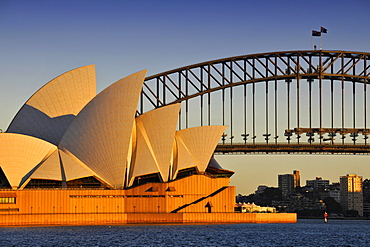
pixel 71 156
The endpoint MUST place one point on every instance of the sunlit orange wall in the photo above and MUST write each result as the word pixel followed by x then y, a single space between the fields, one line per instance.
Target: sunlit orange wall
pixel 64 207
pixel 192 192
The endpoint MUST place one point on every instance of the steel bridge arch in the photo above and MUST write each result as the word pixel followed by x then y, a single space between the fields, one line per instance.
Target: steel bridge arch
pixel 327 60
pixel 202 79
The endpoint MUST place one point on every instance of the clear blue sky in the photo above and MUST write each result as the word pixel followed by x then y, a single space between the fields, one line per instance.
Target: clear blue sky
pixel 40 40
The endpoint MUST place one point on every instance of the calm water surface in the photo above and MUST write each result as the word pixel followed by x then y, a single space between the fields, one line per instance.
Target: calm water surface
pixel 304 233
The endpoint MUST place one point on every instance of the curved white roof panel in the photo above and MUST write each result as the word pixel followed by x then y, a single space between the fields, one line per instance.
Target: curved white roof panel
pixel 183 158
pixel 74 168
pixel 100 135
pixel 49 112
pixel 20 154
pixel 199 143
pixel 144 161
pixel 155 137
pixel 64 132
pixel 49 169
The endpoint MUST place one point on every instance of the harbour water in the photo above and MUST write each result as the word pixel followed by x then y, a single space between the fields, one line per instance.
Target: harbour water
pixel 303 233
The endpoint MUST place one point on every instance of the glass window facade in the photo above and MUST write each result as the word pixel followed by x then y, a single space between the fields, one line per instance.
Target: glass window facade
pixel 7 200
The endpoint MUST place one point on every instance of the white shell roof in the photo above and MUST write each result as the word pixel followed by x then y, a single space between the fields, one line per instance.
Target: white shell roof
pixel 49 112
pixel 155 133
pixel 49 169
pixel 20 154
pixel 73 168
pixel 199 143
pixel 100 134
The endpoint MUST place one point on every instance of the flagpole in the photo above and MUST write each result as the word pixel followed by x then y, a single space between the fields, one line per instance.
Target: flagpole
pixel 313 48
pixel 322 30
pixel 320 41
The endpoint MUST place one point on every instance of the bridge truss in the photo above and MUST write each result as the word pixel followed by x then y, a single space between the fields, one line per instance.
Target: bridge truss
pixel 292 101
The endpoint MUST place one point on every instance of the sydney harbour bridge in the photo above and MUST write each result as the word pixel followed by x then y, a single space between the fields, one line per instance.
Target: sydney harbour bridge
pixel 313 101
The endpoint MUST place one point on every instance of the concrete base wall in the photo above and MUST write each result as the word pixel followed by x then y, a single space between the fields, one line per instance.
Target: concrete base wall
pixel 142 218
pixel 193 199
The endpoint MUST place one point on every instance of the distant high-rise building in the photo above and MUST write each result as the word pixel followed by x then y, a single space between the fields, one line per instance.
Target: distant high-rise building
pixel 351 195
pixel 287 182
pixel 334 191
pixel 318 183
pixel 297 178
pixel 334 194
pixel 366 192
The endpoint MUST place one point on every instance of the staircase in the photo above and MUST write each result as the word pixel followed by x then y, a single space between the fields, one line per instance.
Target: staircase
pixel 199 200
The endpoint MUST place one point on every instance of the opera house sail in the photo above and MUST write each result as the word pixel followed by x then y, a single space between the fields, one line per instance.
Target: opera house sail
pixel 71 156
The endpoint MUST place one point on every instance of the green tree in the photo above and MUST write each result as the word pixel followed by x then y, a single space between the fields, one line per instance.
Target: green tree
pixel 332 206
pixel 269 194
pixel 352 213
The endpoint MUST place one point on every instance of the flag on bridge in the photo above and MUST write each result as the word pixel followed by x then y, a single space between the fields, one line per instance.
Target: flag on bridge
pixel 316 33
pixel 324 30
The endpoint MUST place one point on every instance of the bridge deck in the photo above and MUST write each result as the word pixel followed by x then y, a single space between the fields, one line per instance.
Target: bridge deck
pixel 292 148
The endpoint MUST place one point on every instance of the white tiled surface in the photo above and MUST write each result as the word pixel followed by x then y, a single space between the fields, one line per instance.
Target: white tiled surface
pixel 100 134
pixel 74 168
pixel 49 169
pixel 49 112
pixel 200 143
pixel 20 154
pixel 155 136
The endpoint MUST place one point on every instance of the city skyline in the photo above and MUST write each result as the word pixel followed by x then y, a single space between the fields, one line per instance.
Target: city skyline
pixel 329 172
pixel 42 39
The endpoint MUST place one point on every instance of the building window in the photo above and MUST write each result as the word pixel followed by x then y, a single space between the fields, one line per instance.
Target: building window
pixel 7 200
